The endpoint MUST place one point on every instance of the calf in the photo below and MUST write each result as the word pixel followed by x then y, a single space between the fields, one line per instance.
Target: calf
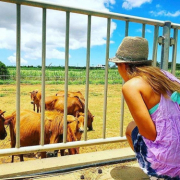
pixel 3 132
pixel 36 100
pixel 75 130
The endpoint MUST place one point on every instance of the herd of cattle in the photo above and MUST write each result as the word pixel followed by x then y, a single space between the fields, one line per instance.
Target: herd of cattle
pixel 30 121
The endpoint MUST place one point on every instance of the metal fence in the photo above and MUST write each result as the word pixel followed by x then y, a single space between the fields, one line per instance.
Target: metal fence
pixel 163 40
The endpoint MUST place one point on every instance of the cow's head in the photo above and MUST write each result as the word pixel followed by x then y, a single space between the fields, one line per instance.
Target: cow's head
pixel 80 121
pixel 3 132
pixel 90 121
pixel 33 95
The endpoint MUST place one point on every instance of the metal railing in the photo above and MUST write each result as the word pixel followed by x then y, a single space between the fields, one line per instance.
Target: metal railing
pixel 164 40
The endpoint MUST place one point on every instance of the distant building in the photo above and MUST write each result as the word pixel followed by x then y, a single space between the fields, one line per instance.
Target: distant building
pixel 101 66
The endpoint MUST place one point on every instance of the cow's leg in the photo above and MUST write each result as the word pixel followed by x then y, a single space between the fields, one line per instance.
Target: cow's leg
pixel 55 153
pixel 34 107
pixel 62 151
pixel 43 155
pixel 12 160
pixel 37 108
pixel 73 151
pixel 21 157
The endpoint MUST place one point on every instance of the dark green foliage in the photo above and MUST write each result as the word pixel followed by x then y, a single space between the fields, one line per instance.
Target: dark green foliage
pixel 4 73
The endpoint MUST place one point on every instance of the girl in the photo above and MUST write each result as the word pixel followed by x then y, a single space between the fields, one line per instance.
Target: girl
pixel 153 98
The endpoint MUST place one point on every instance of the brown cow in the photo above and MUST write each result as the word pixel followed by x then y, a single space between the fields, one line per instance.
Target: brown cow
pixel 75 128
pixel 36 100
pixel 71 94
pixel 3 132
pixel 30 123
pixel 74 105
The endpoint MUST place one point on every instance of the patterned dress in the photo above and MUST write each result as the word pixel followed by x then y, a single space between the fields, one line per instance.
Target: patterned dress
pixel 161 158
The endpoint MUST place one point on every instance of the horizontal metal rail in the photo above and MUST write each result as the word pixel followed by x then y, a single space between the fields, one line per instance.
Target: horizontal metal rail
pixel 90 12
pixel 50 147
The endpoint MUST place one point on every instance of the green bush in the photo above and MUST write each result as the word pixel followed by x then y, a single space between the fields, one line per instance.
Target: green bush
pixel 4 73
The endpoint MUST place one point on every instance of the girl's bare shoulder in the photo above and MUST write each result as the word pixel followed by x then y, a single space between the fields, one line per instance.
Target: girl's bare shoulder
pixel 136 83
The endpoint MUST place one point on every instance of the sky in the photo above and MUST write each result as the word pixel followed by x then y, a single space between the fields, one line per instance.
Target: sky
pixel 31 30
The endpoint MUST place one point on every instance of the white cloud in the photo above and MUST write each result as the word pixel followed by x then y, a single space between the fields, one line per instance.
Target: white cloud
pixel 158 5
pixel 55 54
pixel 12 59
pixel 129 4
pixel 165 13
pixel 147 30
pixel 31 28
pixel 7 39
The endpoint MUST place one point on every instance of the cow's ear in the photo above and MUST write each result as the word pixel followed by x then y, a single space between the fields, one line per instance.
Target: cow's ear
pixel 2 113
pixel 77 114
pixel 8 120
pixel 70 118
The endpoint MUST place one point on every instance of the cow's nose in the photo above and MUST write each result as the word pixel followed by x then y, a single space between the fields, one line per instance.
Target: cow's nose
pixel 3 135
pixel 90 128
pixel 49 154
pixel 81 130
pixel 32 102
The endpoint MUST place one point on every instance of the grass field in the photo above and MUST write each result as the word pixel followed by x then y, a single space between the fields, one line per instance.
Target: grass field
pixel 96 101
pixel 56 75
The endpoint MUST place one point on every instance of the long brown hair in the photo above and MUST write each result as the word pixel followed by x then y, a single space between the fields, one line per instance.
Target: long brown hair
pixel 154 76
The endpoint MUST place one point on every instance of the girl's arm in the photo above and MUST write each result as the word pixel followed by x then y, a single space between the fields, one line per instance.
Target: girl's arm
pixel 132 91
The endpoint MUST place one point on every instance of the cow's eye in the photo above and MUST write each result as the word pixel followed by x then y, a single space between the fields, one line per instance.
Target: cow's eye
pixel 50 132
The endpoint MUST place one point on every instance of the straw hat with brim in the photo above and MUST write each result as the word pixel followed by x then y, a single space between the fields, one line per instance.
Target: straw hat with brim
pixel 132 50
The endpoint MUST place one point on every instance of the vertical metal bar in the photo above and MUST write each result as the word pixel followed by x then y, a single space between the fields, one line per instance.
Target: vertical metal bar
pixel 122 97
pixel 87 75
pixel 18 63
pixel 174 53
pixel 66 76
pixel 106 77
pixel 43 74
pixel 155 45
pixel 165 45
pixel 126 28
pixel 143 30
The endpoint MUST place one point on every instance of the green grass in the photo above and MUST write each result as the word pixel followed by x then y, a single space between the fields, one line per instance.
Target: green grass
pixel 2 95
pixel 56 75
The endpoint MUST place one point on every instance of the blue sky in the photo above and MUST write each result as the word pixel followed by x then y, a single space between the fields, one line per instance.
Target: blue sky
pixel 31 40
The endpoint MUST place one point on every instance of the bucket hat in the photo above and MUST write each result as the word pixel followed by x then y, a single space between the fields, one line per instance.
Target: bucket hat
pixel 132 50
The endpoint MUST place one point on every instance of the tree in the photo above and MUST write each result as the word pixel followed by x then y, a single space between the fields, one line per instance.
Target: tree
pixel 4 73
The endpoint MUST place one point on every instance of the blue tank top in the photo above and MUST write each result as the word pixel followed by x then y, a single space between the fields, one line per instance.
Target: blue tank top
pixel 175 97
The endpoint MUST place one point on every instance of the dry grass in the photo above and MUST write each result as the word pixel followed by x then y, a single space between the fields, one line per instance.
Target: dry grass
pixel 96 103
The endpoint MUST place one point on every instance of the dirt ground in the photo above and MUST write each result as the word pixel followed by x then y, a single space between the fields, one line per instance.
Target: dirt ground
pixel 120 171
